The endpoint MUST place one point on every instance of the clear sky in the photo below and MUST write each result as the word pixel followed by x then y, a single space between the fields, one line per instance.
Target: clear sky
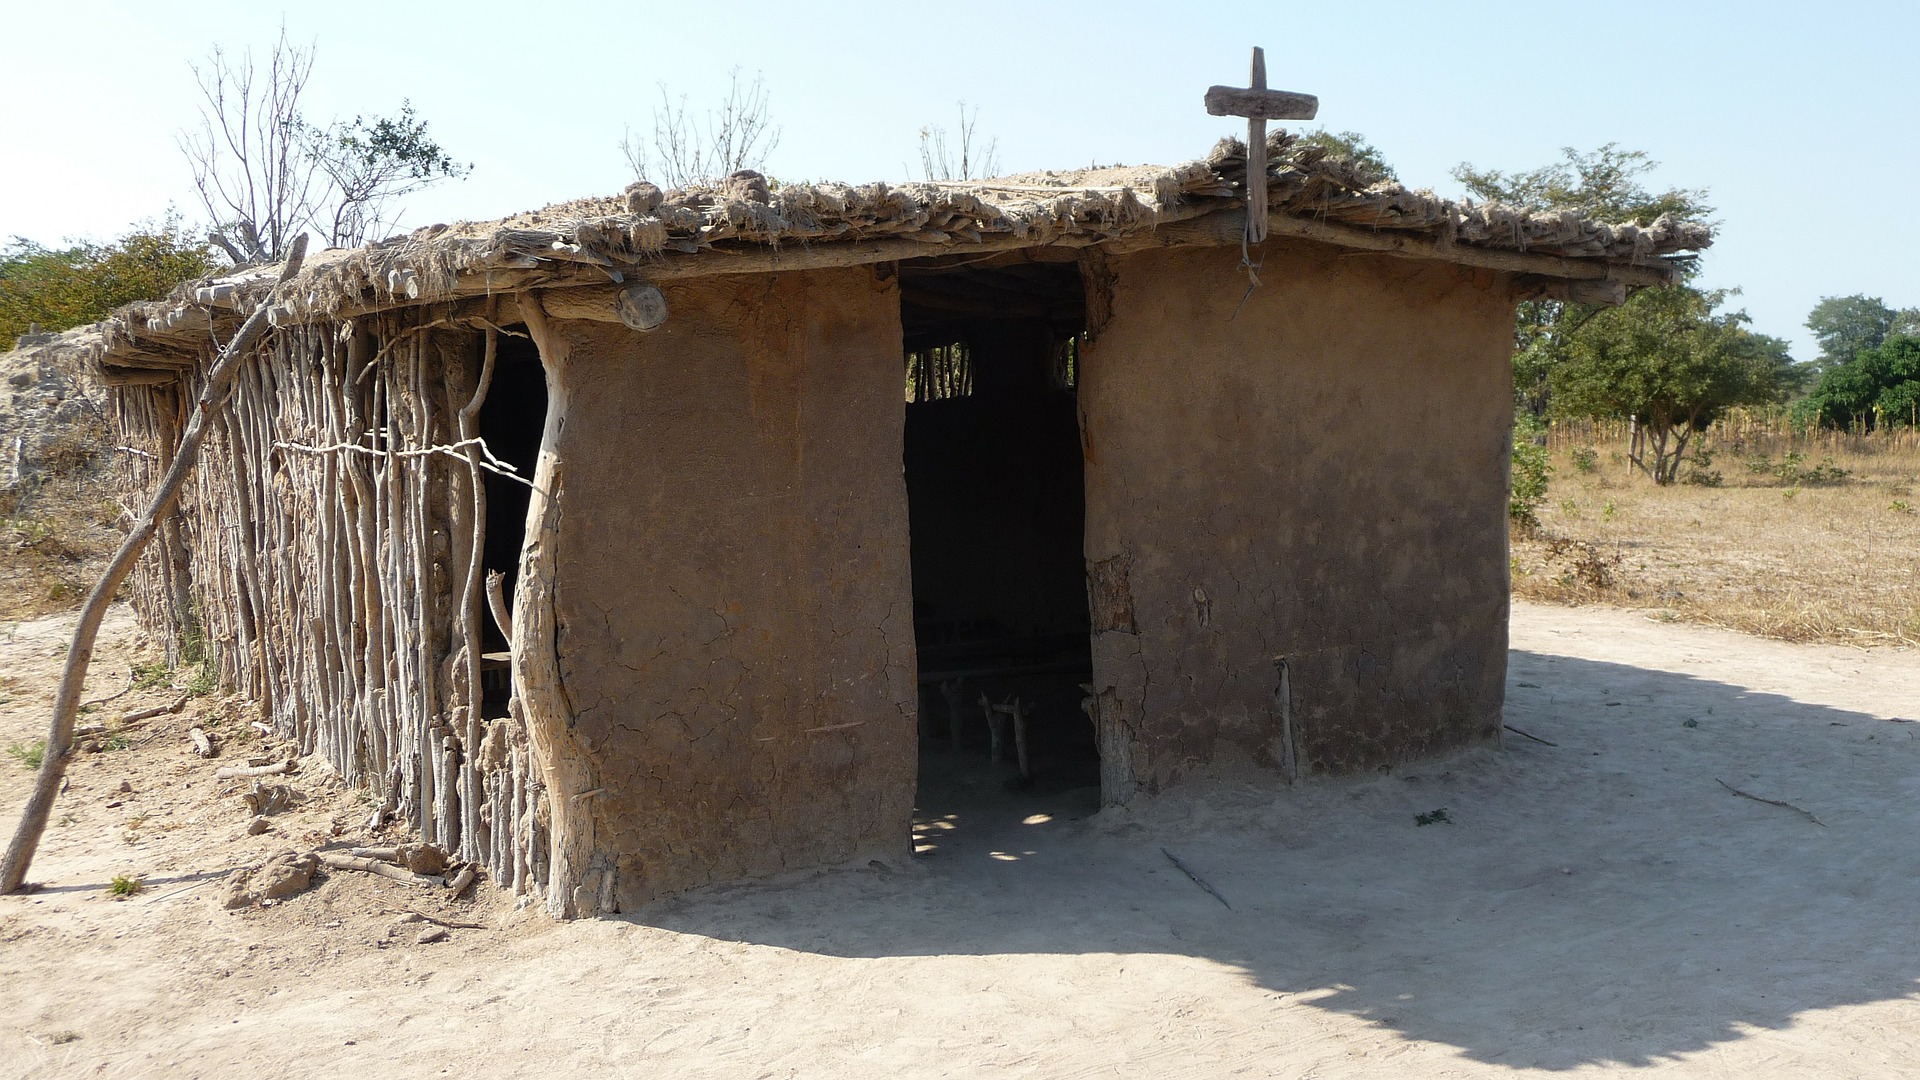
pixel 1803 119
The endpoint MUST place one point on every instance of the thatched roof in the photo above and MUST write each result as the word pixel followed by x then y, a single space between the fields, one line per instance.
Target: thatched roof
pixel 741 226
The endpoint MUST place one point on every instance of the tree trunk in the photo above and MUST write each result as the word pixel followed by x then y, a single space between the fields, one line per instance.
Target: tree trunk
pixel 579 881
pixel 73 677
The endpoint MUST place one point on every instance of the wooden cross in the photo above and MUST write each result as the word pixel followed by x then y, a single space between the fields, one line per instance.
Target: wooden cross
pixel 1259 105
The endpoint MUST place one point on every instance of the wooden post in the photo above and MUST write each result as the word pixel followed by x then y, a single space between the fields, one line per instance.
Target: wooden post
pixel 66 704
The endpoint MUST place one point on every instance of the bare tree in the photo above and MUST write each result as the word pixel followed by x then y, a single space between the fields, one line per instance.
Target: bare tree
pixel 688 149
pixel 250 159
pixel 937 161
pixel 264 173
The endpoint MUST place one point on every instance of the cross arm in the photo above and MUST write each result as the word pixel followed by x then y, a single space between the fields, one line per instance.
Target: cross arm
pixel 1259 104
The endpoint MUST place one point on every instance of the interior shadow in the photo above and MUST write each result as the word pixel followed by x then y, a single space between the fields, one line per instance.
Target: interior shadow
pixel 1606 900
pixel 510 422
pixel 997 514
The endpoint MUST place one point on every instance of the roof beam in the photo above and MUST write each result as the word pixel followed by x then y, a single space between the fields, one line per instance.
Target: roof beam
pixel 1226 227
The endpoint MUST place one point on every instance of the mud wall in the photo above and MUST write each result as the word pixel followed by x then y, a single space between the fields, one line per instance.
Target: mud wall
pixel 732 594
pixel 1312 488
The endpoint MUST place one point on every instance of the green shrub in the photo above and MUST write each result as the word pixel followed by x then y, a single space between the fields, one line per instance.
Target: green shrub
pixel 1825 474
pixel 1700 470
pixel 1529 475
pixel 1585 459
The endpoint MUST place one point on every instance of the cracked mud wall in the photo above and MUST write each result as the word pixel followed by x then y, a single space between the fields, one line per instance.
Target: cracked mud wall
pixel 1319 478
pixel 735 617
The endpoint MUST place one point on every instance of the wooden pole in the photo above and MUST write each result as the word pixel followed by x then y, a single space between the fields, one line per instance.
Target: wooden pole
pixel 1257 158
pixel 73 677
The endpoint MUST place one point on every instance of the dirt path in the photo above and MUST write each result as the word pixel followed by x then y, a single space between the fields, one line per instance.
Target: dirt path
pixel 1602 902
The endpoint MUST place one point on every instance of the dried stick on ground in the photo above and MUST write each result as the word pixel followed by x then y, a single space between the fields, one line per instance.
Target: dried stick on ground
pixel 241 772
pixel 66 705
pixel 335 861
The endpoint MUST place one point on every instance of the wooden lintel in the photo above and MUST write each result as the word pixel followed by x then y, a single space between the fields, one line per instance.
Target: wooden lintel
pixel 1601 293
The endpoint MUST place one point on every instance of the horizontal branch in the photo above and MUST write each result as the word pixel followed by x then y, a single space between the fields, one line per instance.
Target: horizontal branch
pixel 454 449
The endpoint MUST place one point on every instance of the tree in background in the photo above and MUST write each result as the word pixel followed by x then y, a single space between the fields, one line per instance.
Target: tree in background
pixel 1354 147
pixel 1846 326
pixel 1670 363
pixel 372 162
pixel 265 174
pixel 687 150
pixel 1605 185
pixel 938 160
pixel 60 288
pixel 1876 386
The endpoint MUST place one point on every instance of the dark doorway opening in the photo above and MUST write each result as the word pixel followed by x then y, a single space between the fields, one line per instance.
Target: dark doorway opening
pixel 511 420
pixel 997 513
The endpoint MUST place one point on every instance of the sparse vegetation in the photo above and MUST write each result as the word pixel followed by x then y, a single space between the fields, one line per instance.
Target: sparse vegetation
pixel 152 675
pixel 1779 547
pixel 29 755
pixel 1531 471
pixel 123 886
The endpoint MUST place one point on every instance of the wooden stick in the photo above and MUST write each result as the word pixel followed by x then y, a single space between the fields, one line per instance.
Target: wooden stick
pixel 1196 879
pixel 157 710
pixel 335 860
pixel 239 772
pixel 437 921
pixel 1524 735
pixel 66 705
pixel 1257 156
pixel 462 880
pixel 1770 802
pixel 497 602
pixel 997 729
pixel 123 692
pixel 202 744
pixel 1020 739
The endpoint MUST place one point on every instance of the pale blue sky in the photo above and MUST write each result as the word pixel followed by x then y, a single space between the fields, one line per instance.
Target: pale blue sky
pixel 1800 118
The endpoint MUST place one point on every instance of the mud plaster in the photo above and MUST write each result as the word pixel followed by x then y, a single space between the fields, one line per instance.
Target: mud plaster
pixel 733 594
pixel 1320 478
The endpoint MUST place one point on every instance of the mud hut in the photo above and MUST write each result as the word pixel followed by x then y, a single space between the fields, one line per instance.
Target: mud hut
pixel 769 487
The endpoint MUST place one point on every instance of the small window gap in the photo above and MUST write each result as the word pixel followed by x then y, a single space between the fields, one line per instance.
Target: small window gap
pixel 939 372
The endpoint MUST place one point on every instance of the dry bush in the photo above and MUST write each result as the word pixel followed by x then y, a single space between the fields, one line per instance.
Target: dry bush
pixel 1801 538
pixel 57 530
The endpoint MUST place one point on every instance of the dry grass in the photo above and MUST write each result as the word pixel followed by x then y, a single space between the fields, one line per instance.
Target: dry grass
pixel 56 535
pixel 1786 548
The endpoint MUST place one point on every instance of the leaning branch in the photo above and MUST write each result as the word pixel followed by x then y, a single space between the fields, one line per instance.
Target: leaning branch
pixel 66 705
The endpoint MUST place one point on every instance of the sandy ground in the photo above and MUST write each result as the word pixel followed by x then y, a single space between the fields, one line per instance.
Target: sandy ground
pixel 1600 903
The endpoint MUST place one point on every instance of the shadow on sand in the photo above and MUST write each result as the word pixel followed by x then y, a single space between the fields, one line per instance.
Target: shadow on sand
pixel 1604 900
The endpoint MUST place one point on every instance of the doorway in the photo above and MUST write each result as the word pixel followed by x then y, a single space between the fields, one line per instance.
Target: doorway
pixel 511 421
pixel 996 514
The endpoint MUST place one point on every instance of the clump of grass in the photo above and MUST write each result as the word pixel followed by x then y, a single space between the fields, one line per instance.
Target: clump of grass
pixel 204 680
pixel 123 886
pixel 29 755
pixel 153 676
pixel 1433 817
